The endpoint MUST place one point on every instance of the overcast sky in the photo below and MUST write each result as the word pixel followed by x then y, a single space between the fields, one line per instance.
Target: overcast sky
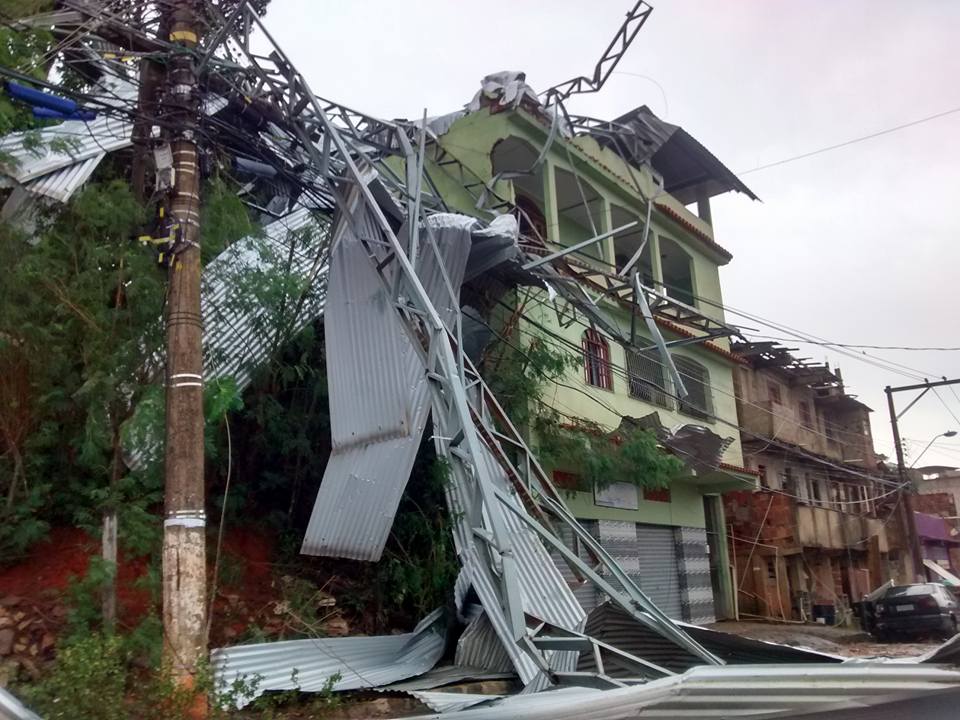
pixel 858 245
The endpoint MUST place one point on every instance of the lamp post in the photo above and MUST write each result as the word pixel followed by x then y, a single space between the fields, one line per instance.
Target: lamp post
pixel 947 434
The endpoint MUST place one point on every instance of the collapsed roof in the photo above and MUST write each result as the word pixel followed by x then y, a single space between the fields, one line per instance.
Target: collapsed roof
pixel 688 169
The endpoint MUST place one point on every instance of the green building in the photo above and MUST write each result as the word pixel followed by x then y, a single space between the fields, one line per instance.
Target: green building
pixel 568 182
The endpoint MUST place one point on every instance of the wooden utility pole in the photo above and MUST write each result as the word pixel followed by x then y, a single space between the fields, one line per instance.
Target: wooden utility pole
pixel 184 529
pixel 906 486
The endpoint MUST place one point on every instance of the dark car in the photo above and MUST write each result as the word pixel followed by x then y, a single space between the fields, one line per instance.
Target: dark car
pixel 919 609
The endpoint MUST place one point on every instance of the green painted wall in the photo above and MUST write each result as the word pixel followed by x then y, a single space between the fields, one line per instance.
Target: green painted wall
pixel 685 508
pixel 471 140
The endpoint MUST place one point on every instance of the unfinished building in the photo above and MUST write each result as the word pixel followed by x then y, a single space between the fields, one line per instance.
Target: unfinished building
pixel 821 530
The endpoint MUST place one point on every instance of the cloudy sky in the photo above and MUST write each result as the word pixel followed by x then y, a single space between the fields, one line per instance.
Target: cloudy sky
pixel 858 245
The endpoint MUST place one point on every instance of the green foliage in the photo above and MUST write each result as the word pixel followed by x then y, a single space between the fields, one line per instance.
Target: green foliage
pixel 224 219
pixel 95 678
pixel 419 564
pixel 600 458
pixel 519 378
pixel 521 373
pixel 21 50
pixel 88 682
pixel 81 314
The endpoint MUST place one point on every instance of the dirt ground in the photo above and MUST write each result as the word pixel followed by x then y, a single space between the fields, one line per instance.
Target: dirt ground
pixel 823 638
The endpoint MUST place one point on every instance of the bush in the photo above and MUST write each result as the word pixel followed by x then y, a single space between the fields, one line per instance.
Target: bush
pixel 88 682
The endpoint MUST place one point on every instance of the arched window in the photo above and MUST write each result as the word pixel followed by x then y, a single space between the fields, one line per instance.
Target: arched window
pixel 699 400
pixel 596 360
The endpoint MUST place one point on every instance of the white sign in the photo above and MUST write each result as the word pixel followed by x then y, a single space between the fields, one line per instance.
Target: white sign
pixel 618 495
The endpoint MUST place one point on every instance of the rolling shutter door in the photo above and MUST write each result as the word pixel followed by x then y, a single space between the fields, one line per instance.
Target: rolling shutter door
pixel 658 567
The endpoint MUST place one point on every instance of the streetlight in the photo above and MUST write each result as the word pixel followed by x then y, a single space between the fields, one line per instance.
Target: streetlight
pixel 947 434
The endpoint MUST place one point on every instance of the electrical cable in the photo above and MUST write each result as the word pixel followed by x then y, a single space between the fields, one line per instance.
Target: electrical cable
pixel 855 346
pixel 616 413
pixel 852 141
pixel 625 374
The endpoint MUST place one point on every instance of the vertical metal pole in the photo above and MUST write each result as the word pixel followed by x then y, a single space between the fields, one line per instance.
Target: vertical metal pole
pixel 906 494
pixel 184 528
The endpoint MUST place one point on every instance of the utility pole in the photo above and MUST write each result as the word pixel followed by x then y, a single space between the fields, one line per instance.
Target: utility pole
pixel 906 489
pixel 184 528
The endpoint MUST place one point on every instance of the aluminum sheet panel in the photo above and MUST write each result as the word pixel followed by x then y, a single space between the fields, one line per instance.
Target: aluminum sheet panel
pixel 73 141
pixel 62 184
pixel 308 665
pixel 444 702
pixel 379 393
pixel 238 327
pixel 754 691
pixel 237 322
pixel 12 709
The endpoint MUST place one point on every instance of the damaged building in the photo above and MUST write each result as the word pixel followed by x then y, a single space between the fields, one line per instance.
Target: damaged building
pixel 569 180
pixel 822 529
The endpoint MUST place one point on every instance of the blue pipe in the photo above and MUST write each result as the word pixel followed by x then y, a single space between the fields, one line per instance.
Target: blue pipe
pixel 42 113
pixel 39 98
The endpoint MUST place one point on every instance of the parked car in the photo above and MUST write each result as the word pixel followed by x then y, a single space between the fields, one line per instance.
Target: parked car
pixel 919 609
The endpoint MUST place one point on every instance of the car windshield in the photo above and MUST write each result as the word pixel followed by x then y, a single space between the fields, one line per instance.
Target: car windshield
pixel 911 590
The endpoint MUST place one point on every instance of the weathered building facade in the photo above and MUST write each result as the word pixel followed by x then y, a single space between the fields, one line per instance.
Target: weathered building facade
pixel 816 535
pixel 567 186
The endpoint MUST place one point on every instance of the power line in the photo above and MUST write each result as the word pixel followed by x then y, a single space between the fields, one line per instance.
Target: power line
pixel 621 372
pixel 852 141
pixel 947 407
pixel 855 346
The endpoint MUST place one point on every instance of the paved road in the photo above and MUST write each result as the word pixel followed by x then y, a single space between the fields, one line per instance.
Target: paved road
pixel 834 640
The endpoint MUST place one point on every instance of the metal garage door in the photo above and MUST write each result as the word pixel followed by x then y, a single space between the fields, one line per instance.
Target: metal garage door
pixel 658 568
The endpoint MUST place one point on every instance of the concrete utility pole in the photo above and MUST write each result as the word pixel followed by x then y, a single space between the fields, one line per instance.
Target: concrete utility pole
pixel 184 528
pixel 907 490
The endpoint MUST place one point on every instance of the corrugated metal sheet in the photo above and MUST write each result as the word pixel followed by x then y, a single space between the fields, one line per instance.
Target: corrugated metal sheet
pixel 237 322
pixel 440 676
pixel 614 626
pixel 62 184
pixel 480 646
pixel 445 702
pixel 761 691
pixel 546 595
pixel 379 393
pixel 81 140
pixel 361 662
pixel 12 709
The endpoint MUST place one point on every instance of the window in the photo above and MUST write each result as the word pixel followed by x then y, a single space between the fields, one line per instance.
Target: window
pixel 596 360
pixel 647 378
pixel 805 418
pixel 677 269
pixel 815 493
pixel 656 494
pixel 773 392
pixel 789 483
pixel 696 379
pixel 830 429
